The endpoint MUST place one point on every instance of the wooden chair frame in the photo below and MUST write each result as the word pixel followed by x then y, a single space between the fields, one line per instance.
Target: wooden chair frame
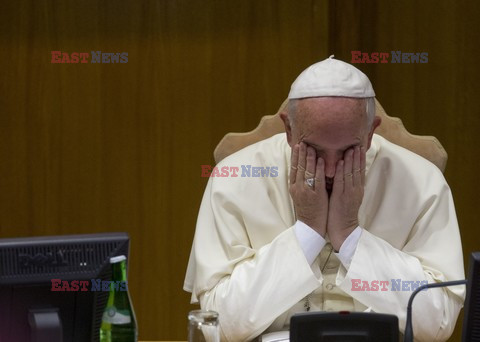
pixel 391 128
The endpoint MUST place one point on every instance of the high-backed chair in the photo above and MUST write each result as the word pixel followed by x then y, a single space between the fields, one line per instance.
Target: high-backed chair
pixel 391 129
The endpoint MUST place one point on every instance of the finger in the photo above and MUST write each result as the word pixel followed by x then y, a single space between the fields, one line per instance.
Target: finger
pixel 320 175
pixel 302 155
pixel 357 174
pixel 338 182
pixel 363 163
pixel 348 168
pixel 311 163
pixel 294 165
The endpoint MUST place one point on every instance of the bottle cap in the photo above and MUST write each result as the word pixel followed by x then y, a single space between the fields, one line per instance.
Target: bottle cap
pixel 118 258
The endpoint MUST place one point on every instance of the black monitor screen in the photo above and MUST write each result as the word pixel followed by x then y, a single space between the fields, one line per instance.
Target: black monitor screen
pixel 343 327
pixel 471 320
pixel 51 283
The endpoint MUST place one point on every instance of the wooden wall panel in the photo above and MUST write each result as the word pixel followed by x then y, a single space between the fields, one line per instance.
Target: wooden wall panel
pixel 118 147
pixel 436 98
pixel 106 147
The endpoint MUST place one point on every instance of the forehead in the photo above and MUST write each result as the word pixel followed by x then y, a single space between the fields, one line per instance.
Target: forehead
pixel 331 121
pixel 331 109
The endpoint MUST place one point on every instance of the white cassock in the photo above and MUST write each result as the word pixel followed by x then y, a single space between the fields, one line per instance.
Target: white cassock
pixel 247 263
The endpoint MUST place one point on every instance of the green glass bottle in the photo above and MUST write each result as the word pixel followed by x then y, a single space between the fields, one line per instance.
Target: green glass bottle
pixel 118 321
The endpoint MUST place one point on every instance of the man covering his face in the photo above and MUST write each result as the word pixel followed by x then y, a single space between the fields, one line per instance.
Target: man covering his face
pixel 347 208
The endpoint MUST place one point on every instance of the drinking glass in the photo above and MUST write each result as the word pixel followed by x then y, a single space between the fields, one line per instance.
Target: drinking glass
pixel 203 326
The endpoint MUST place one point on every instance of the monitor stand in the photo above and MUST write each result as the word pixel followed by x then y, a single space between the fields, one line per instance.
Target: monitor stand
pixel 45 325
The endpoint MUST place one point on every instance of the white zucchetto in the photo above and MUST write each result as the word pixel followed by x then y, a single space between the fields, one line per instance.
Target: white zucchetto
pixel 331 77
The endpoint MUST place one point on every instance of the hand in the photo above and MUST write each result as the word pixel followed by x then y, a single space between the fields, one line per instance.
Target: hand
pixel 346 196
pixel 311 203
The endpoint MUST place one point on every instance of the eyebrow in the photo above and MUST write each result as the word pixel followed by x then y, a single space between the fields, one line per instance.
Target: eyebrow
pixel 321 148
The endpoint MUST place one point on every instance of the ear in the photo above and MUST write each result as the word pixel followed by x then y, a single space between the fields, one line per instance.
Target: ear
pixel 376 122
pixel 288 126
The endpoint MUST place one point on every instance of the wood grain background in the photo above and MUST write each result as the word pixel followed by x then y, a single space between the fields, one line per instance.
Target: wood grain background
pixel 117 147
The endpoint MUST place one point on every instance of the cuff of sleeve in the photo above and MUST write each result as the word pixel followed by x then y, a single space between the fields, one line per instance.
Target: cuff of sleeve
pixel 309 240
pixel 348 248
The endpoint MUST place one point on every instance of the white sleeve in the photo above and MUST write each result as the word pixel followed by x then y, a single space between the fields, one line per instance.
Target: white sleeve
pixel 261 289
pixel 249 286
pixel 436 309
pixel 348 248
pixel 309 240
pixel 423 258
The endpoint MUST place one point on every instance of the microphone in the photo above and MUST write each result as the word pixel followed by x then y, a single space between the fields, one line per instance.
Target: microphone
pixel 408 336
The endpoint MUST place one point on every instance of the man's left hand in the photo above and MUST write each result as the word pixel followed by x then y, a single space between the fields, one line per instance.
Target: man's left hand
pixel 346 196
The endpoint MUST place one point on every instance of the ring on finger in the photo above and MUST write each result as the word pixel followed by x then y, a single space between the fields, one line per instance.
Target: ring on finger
pixel 310 182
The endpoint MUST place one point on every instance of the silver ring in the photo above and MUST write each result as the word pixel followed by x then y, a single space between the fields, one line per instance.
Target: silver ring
pixel 310 182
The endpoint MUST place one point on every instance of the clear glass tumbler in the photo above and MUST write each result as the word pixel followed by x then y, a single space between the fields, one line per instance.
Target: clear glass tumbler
pixel 203 326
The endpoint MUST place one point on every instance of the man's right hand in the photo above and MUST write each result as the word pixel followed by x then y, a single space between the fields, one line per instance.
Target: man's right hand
pixel 311 203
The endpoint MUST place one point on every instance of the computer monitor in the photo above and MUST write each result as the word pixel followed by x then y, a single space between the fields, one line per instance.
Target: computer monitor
pixel 343 326
pixel 30 308
pixel 471 318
